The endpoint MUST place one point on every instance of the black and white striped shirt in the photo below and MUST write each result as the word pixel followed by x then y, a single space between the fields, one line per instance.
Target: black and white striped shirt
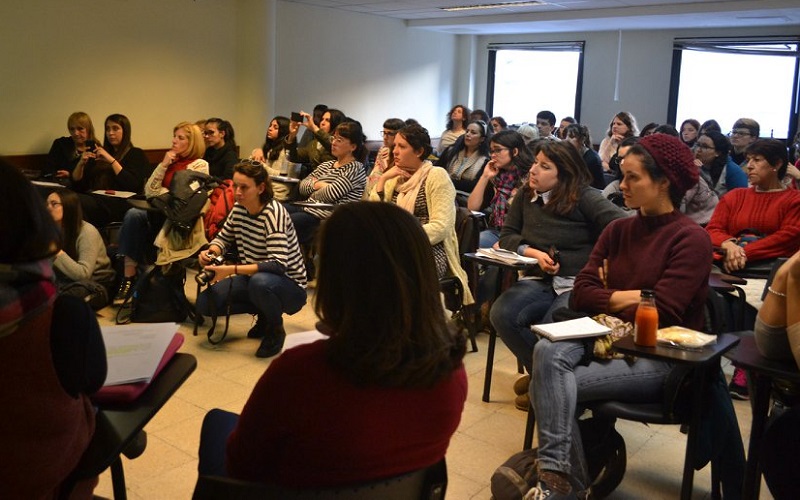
pixel 345 184
pixel 268 236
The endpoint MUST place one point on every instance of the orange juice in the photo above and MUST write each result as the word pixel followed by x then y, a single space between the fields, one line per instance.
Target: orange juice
pixel 646 321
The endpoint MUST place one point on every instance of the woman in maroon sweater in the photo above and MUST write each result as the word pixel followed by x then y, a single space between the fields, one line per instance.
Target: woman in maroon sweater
pixel 383 395
pixel 659 249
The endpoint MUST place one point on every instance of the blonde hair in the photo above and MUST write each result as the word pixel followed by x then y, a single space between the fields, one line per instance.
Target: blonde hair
pixel 81 119
pixel 197 147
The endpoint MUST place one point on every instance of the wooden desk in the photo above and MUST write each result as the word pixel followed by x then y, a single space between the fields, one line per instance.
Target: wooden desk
pixel 761 372
pixel 117 426
pixel 707 361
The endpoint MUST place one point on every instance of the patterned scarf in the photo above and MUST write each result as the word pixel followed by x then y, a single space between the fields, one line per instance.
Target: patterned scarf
pixel 505 182
pixel 24 289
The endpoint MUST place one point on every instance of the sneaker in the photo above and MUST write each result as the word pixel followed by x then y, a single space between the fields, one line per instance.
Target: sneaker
pixel 738 385
pixel 523 402
pixel 272 343
pixel 125 290
pixel 522 384
pixel 542 491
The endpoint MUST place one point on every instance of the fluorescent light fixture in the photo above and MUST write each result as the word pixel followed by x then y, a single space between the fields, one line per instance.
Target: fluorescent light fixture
pixel 484 6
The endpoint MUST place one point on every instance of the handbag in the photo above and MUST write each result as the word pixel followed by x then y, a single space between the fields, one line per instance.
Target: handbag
pixel 90 291
pixel 158 297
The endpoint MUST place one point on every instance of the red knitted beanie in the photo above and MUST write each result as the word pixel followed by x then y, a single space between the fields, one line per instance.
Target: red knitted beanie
pixel 674 158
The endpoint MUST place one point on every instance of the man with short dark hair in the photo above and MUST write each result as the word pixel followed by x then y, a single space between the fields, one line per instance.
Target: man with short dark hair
pixel 546 123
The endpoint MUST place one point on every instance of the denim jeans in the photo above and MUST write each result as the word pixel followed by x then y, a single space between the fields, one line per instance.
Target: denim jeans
pixel 217 426
pixel 137 234
pixel 305 224
pixel 266 294
pixel 558 385
pixel 488 238
pixel 524 304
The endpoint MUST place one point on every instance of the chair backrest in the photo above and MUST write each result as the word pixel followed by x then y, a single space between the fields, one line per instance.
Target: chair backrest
pixel 468 230
pixel 429 483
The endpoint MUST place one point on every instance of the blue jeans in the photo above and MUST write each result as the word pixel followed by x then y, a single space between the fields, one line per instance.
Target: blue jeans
pixel 304 223
pixel 266 294
pixel 558 384
pixel 137 234
pixel 217 426
pixel 524 304
pixel 488 238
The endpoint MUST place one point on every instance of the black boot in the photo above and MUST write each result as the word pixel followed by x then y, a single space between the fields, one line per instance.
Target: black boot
pixel 259 330
pixel 272 343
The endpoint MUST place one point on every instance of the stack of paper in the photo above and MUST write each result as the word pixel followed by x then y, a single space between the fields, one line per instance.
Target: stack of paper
pixel 505 256
pixel 572 329
pixel 134 351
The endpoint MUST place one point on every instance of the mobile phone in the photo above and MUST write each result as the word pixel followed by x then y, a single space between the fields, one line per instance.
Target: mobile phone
pixel 554 254
pixel 91 145
pixel 297 117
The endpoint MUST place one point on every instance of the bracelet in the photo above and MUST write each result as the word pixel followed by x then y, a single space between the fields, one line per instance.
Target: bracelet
pixel 115 161
pixel 775 292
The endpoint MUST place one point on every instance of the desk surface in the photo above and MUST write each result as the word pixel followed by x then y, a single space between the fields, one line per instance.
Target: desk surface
pixel 724 342
pixel 118 425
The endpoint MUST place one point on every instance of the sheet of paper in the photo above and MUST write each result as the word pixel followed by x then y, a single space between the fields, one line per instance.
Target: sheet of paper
pixel 115 194
pixel 300 338
pixel 134 351
pixel 47 184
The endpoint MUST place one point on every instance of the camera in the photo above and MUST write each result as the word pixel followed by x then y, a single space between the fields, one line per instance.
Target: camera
pixel 91 145
pixel 205 276
pixel 297 117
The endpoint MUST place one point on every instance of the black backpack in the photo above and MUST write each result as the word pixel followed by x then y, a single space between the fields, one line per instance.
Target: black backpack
pixel 158 297
pixel 187 195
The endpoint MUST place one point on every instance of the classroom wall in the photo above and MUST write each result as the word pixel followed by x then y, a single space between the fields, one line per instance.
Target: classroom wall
pixel 156 62
pixel 646 61
pixel 172 60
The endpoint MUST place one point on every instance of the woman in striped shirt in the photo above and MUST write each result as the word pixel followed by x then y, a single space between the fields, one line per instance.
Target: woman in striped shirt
pixel 269 278
pixel 333 182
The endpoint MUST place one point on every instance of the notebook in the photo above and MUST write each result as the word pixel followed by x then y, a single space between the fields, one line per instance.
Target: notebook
pixel 573 329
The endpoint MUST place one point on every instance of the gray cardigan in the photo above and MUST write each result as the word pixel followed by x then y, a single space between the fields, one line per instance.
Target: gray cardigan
pixel 574 235
pixel 93 262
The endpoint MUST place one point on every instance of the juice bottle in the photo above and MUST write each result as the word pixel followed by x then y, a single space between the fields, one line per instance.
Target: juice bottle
pixel 646 322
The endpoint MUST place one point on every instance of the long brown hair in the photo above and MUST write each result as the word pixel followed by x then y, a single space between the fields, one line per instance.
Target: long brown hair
pixel 71 220
pixel 573 176
pixel 389 324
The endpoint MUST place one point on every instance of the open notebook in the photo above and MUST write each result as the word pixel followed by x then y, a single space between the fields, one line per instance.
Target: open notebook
pixel 572 329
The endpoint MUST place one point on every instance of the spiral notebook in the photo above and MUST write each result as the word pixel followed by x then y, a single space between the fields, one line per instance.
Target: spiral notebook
pixel 573 329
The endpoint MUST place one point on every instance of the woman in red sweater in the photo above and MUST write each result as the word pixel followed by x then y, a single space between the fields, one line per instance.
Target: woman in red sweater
pixel 382 396
pixel 762 221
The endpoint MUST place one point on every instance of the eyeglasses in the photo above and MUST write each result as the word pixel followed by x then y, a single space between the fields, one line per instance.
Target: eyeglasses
pixel 250 161
pixel 207 133
pixel 497 151
pixel 338 139
pixel 740 132
pixel 697 145
pixel 53 204
pixel 387 133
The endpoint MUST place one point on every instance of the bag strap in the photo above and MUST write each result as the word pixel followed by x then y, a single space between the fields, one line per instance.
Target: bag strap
pixel 214 315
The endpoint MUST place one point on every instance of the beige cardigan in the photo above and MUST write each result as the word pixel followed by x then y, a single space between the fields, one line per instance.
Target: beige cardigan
pixel 441 196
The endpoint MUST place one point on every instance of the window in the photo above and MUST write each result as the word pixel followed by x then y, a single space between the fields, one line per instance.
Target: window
pixel 728 79
pixel 516 91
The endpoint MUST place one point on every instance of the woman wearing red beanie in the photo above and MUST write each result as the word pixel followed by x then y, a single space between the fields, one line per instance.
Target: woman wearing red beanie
pixel 659 249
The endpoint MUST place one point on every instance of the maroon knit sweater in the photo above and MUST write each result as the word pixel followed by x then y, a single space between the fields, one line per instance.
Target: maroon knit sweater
pixel 773 213
pixel 669 253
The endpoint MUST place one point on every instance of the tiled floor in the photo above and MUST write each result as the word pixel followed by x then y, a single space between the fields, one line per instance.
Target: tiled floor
pixel 489 432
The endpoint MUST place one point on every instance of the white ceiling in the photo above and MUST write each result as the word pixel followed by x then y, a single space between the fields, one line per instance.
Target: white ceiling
pixel 575 15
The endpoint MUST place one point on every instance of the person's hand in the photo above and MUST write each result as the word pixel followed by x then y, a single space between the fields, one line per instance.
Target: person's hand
pixel 617 138
pixel 491 170
pixel 221 272
pixel 308 121
pixel 293 128
pixel 62 174
pixel 169 158
pixel 546 263
pixel 86 156
pixel 257 155
pixel 735 257
pixel 101 153
pixel 698 163
pixel 396 172
pixel 383 155
pixel 207 256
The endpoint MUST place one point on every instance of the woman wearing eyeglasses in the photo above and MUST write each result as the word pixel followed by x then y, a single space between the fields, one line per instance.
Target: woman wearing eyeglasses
pixel 333 182
pixel 465 159
pixel 385 158
pixel 220 152
pixel 318 150
pixel 720 172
